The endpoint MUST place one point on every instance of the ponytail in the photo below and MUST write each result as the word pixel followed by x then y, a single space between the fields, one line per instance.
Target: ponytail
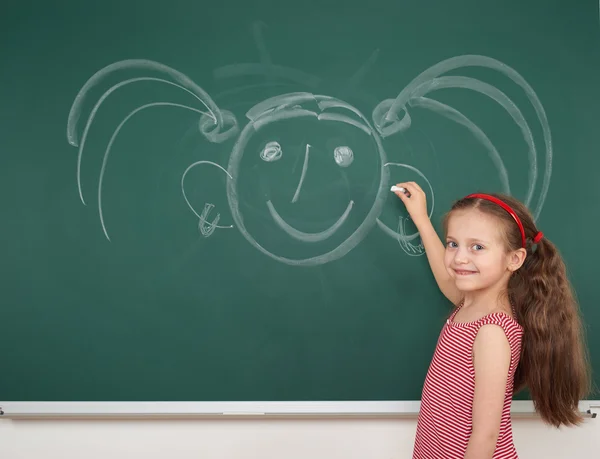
pixel 554 365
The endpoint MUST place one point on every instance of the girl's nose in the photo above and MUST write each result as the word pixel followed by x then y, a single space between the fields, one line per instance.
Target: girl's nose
pixel 460 258
pixel 304 167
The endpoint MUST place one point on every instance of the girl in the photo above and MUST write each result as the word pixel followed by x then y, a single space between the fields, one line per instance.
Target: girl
pixel 515 324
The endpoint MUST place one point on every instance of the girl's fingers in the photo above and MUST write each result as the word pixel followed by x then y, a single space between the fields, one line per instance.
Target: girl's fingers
pixel 416 186
pixel 399 192
pixel 402 195
pixel 409 187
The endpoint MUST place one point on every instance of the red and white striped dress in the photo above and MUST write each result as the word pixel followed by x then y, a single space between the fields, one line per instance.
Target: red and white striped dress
pixel 445 418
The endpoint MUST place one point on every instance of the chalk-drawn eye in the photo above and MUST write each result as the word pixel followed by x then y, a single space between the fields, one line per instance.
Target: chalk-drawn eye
pixel 271 152
pixel 343 156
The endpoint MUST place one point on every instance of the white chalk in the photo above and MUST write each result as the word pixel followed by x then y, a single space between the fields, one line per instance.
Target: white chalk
pixel 402 189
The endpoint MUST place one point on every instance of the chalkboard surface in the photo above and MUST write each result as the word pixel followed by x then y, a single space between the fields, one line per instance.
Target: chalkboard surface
pixel 195 195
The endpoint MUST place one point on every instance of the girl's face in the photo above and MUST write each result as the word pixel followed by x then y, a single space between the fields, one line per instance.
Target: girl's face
pixel 476 256
pixel 308 180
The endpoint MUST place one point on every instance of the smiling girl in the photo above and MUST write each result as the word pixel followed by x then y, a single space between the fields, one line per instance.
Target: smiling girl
pixel 515 324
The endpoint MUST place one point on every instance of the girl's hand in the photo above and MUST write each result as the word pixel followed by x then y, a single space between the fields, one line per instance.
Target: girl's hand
pixel 416 204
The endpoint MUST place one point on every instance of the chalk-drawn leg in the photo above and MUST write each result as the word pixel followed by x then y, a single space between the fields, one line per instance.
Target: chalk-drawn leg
pixel 392 115
pixel 413 250
pixel 206 226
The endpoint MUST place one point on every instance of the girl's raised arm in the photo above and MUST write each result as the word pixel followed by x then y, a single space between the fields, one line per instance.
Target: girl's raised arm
pixel 416 205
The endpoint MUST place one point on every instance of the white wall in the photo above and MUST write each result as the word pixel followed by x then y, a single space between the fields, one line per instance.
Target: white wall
pixel 260 438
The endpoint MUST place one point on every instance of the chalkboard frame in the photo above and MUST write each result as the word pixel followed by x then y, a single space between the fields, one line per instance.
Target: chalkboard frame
pixel 396 408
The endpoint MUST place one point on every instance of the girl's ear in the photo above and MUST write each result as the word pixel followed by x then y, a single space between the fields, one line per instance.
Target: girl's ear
pixel 516 259
pixel 198 189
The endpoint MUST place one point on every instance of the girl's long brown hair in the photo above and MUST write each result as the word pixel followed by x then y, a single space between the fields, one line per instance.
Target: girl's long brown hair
pixel 554 363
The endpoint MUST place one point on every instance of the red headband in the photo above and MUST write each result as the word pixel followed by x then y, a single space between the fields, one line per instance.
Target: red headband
pixel 506 207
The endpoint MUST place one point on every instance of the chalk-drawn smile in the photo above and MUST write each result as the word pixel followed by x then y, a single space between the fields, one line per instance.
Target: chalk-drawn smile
pixel 308 237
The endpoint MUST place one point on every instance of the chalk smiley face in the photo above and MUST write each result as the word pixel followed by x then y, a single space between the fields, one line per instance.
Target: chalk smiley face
pixel 390 116
pixel 350 139
pixel 272 152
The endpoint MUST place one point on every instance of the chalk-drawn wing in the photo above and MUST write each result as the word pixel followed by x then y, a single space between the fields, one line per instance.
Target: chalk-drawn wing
pixel 392 115
pixel 216 125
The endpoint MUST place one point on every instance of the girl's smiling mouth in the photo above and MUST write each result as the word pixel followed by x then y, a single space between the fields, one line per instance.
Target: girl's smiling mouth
pixel 464 272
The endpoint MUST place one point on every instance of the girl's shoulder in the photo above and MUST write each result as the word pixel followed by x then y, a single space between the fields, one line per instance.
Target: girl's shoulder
pixel 501 318
pixel 498 317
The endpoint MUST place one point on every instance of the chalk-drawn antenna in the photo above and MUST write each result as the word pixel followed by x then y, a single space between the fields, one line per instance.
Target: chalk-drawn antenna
pixel 270 71
pixel 259 40
pixel 355 80
pixel 265 67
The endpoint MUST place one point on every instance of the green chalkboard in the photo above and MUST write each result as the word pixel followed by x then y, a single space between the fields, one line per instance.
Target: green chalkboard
pixel 195 195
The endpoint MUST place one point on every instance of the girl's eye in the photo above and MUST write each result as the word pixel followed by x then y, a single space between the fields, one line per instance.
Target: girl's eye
pixel 452 244
pixel 271 152
pixel 343 156
pixel 477 247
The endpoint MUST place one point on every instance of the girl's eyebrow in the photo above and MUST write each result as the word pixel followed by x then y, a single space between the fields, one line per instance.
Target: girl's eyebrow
pixel 478 240
pixel 470 240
